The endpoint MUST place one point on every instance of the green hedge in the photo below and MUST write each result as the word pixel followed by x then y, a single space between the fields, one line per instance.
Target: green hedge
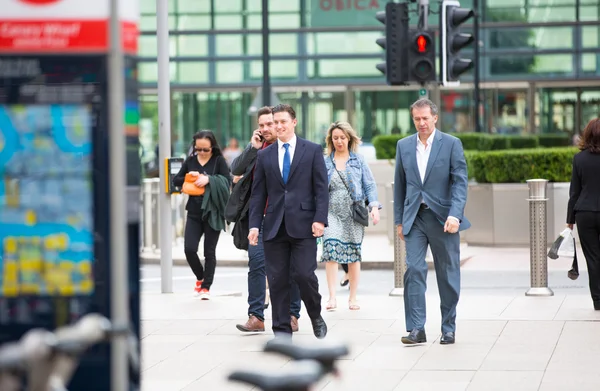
pixel 554 140
pixel 514 166
pixel 385 146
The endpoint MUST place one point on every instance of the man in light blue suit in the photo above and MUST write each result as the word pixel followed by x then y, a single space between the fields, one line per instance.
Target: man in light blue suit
pixel 430 192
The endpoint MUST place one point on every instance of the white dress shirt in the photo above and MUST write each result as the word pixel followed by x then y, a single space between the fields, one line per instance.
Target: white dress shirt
pixel 281 151
pixel 423 153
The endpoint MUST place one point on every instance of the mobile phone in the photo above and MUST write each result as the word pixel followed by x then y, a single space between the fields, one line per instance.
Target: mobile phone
pixel 261 138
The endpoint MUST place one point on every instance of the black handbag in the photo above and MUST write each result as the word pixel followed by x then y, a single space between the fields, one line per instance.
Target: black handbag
pixel 360 213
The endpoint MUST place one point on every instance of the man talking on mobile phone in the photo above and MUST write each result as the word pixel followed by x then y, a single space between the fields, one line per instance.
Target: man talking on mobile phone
pixel 243 170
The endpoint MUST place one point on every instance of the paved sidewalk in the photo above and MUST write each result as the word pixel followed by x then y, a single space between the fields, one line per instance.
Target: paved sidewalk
pixel 378 253
pixel 505 340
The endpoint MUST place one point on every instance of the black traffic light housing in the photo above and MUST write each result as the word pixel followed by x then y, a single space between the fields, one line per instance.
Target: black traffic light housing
pixel 452 41
pixel 395 19
pixel 421 56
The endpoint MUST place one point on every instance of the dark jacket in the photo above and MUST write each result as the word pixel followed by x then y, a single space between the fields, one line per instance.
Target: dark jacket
pixel 214 201
pixel 303 200
pixel 238 204
pixel 585 185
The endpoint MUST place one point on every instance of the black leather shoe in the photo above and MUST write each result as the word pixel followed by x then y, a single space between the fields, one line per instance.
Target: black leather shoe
pixel 447 338
pixel 319 327
pixel 414 337
pixel 597 305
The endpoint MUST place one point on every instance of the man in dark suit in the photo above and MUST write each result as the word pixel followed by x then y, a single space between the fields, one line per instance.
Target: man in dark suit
pixel 291 173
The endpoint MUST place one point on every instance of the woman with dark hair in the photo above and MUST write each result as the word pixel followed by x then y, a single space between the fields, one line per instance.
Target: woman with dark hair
pixel 584 203
pixel 205 213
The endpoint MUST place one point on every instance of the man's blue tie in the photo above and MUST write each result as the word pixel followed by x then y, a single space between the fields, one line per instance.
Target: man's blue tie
pixel 285 172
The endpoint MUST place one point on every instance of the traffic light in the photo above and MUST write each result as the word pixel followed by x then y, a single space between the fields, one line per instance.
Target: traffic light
pixel 421 56
pixel 395 19
pixel 452 41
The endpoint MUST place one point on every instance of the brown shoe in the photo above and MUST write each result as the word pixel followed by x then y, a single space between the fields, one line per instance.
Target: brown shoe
pixel 253 325
pixel 294 322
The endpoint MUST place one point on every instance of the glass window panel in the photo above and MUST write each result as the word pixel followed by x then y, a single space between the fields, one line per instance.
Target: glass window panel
pixel 229 45
pixel 552 13
pixel 148 7
pixel 276 21
pixel 193 22
pixel 193 45
pixel 193 6
pixel 222 6
pixel 524 64
pixel 147 46
pixel 347 68
pixel 193 72
pixel 148 23
pixel 590 36
pixel 538 38
pixel 589 63
pixel 148 71
pixel 274 5
pixel 278 44
pixel 343 43
pixel 230 71
pixel 505 3
pixel 282 69
pixel 589 10
pixel 228 22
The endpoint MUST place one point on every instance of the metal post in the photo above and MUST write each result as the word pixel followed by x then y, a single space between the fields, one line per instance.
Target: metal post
pixel 147 215
pixel 538 238
pixel 423 13
pixel 266 88
pixel 399 255
pixel 164 144
pixel 476 92
pixel 119 278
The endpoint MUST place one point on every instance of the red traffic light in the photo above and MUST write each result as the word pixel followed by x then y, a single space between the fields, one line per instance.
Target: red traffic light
pixel 422 44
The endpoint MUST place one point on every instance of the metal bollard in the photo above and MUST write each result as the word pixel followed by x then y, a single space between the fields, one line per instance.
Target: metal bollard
pixel 538 238
pixel 399 254
pixel 147 215
pixel 155 221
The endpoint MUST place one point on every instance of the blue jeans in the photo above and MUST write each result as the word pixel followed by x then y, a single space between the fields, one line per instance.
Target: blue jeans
pixel 257 283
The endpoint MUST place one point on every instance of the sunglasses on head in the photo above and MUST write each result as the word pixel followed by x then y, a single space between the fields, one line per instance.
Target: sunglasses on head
pixel 206 150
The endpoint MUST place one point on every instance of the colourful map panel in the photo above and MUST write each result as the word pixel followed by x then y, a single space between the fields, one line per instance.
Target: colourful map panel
pixel 46 200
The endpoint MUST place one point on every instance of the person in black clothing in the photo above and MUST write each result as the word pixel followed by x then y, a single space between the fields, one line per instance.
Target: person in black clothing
pixel 584 203
pixel 205 213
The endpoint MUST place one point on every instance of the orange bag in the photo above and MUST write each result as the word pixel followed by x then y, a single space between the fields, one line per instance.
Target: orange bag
pixel 189 188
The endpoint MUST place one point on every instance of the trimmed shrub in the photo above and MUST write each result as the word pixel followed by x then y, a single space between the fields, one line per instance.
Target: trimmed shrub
pixel 554 140
pixel 385 145
pixel 520 142
pixel 516 166
pixel 474 141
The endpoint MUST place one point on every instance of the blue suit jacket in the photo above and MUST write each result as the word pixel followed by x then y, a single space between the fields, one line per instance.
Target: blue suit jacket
pixel 444 189
pixel 302 201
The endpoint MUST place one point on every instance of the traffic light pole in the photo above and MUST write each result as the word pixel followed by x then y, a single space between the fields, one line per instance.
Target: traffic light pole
pixel 423 14
pixel 266 87
pixel 423 23
pixel 476 92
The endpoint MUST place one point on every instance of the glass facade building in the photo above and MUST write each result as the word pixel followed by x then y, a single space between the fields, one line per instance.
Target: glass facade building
pixel 539 68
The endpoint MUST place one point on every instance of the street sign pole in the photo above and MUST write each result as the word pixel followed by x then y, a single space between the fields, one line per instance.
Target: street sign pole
pixel 119 279
pixel 164 146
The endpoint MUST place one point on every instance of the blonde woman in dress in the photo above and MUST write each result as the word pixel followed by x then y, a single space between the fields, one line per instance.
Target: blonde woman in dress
pixel 350 180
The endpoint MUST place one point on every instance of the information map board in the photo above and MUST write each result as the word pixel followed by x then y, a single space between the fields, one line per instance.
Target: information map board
pixel 54 192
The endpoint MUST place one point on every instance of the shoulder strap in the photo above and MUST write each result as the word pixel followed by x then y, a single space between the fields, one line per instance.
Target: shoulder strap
pixel 341 177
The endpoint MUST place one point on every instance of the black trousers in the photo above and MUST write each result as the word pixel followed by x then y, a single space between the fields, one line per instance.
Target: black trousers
pixel 588 226
pixel 195 227
pixel 300 255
